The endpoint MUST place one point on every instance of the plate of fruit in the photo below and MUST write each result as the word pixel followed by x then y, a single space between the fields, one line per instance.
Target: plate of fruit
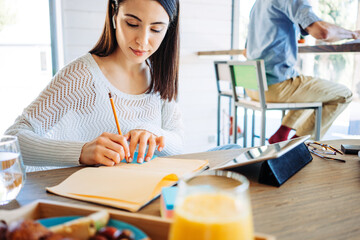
pixel 97 226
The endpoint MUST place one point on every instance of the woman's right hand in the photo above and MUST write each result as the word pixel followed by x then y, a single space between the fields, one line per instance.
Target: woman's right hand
pixel 107 149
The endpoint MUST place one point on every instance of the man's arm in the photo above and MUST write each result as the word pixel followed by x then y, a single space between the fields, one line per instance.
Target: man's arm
pixel 330 33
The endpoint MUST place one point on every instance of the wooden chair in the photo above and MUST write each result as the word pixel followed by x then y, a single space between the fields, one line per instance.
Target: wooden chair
pixel 251 75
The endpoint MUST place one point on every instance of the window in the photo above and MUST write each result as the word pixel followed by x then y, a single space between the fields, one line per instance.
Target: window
pixel 341 68
pixel 245 8
pixel 25 55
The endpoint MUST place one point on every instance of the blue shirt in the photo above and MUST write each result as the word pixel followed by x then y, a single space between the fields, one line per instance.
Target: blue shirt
pixel 274 28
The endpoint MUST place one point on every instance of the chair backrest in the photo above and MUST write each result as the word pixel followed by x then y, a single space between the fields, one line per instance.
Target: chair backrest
pixel 249 75
pixel 223 77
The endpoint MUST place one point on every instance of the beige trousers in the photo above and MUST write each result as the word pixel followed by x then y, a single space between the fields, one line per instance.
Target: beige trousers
pixel 334 96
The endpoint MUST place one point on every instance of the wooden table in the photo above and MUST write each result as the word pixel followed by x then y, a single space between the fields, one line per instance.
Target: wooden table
pixel 324 48
pixel 331 48
pixel 322 201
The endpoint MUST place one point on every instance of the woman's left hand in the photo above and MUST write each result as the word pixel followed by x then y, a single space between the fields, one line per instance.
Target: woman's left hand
pixel 143 138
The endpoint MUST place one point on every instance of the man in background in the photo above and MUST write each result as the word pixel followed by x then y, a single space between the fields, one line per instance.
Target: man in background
pixel 274 28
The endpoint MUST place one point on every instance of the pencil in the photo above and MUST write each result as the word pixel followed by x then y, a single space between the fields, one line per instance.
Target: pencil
pixel 115 115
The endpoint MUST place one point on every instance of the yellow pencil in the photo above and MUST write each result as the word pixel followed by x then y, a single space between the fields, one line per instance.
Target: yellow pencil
pixel 115 115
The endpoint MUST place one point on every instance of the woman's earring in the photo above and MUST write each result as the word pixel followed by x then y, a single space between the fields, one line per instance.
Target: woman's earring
pixel 113 20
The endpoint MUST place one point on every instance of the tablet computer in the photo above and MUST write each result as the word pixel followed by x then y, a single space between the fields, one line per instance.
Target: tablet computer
pixel 262 153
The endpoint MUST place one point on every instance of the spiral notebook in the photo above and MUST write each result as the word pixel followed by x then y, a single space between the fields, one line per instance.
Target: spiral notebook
pixel 126 186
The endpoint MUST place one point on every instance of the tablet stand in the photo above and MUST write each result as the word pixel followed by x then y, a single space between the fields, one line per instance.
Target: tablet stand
pixel 277 171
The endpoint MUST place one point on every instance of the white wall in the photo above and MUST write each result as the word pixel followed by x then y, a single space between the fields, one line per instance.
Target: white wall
pixel 205 25
pixel 83 21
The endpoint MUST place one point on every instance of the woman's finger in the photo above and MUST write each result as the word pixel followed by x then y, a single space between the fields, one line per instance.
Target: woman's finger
pixel 127 136
pixel 113 155
pixel 120 145
pixel 151 149
pixel 106 148
pixel 105 156
pixel 134 138
pixel 113 142
pixel 143 140
pixel 105 161
pixel 160 141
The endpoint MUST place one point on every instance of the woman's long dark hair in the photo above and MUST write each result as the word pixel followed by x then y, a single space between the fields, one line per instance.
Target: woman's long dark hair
pixel 164 63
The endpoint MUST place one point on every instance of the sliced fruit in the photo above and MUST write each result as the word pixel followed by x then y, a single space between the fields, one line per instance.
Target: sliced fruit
pixel 82 228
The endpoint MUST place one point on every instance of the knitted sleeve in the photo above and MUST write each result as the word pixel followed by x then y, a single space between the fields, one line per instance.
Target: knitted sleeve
pixel 33 128
pixel 172 129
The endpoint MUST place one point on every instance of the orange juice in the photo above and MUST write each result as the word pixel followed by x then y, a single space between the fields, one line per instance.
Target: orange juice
pixel 212 216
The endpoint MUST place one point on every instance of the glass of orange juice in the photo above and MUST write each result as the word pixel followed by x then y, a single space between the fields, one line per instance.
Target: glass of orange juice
pixel 213 205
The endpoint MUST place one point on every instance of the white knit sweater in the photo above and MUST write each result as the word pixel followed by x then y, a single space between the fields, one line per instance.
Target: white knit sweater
pixel 75 108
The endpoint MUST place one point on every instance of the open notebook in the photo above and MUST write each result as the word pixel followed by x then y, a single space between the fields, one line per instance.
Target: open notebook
pixel 126 186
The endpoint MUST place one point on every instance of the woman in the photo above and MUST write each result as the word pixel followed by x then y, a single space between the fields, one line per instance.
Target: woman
pixel 136 60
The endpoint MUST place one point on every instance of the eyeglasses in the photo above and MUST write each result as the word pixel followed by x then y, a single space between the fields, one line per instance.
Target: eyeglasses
pixel 321 149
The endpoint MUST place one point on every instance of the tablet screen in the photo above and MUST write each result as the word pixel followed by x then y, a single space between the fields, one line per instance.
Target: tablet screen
pixel 262 153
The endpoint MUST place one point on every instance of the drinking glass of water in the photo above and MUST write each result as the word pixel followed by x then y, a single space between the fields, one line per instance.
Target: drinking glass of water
pixel 12 170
